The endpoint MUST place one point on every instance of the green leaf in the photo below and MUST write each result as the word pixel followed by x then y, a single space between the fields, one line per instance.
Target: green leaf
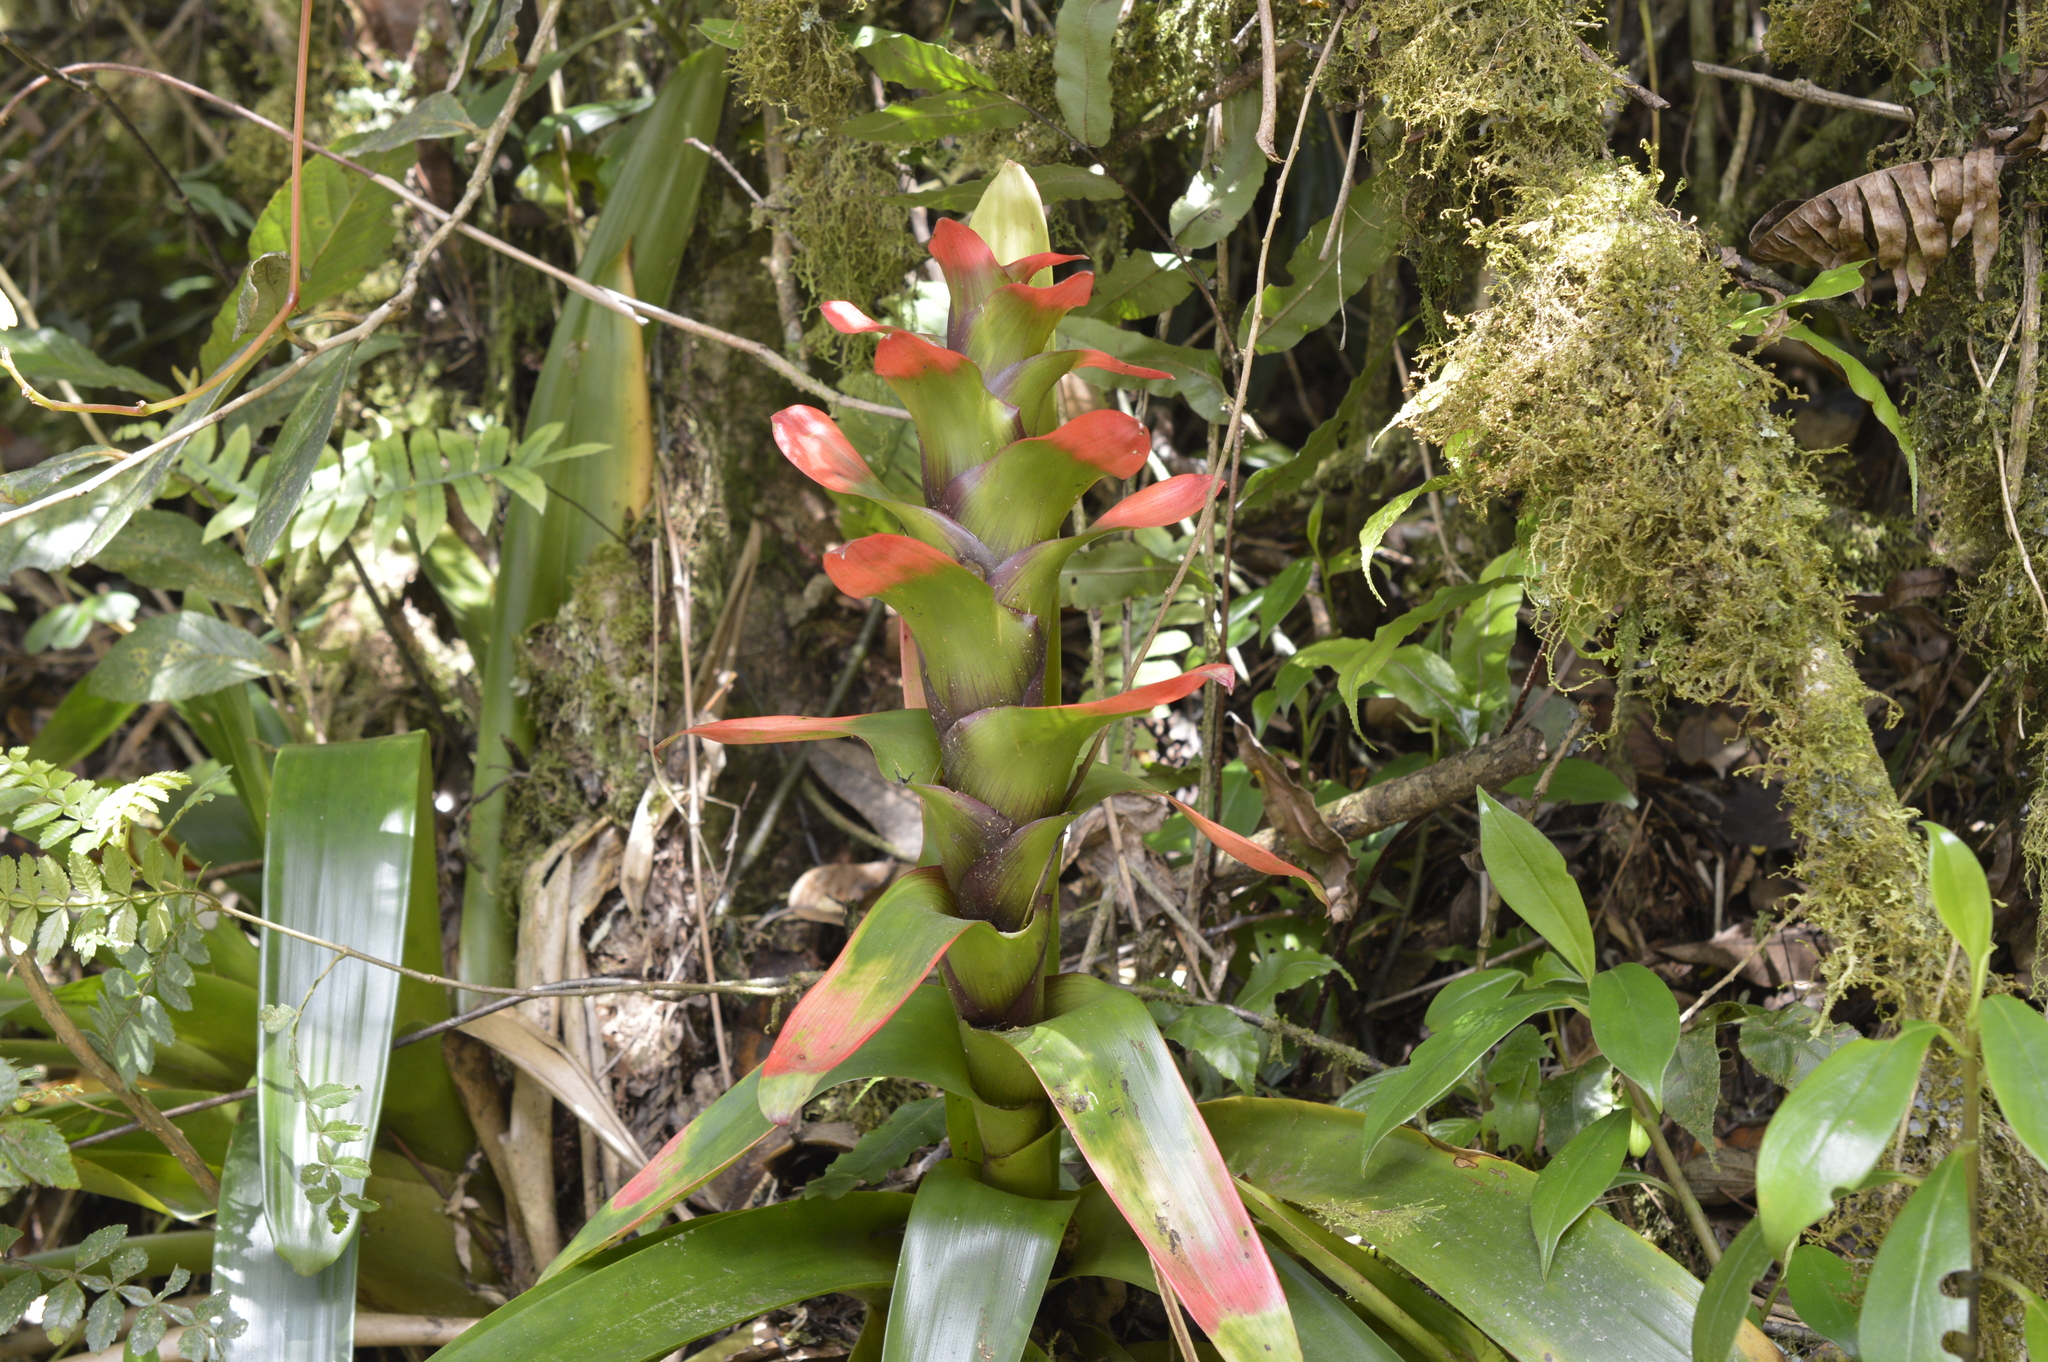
pixel 2014 1038
pixel 1532 879
pixel 1515 1075
pixel 1458 1222
pixel 31 1151
pixel 266 285
pixel 1961 895
pixel 1573 1100
pixel 1787 1045
pixel 1905 1312
pixel 920 65
pixel 347 231
pixel 175 657
pixel 1082 55
pixel 1724 1304
pixel 1635 1023
pixel 1326 1325
pixel 1576 781
pixel 1439 1062
pixel 47 357
pixel 1196 376
pixel 1222 191
pixel 1831 283
pixel 1282 971
pixel 955 113
pixel 1226 1040
pixel 292 459
pixel 162 549
pixel 974 1265
pixel 1360 662
pixel 1867 386
pixel 682 1282
pixel 1832 1129
pixel 77 727
pixel 1427 683
pixel 1692 1084
pixel 1576 1177
pixel 437 116
pixel 1112 1081
pixel 1371 230
pixel 1379 522
pixel 284 1313
pixel 884 1149
pixel 1141 284
pixel 349 856
pixel 1826 1294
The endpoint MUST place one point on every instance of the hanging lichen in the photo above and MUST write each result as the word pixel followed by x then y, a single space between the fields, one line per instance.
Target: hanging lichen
pixel 1669 513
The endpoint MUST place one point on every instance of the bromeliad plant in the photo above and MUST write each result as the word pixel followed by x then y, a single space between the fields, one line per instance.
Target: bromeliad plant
pixel 952 980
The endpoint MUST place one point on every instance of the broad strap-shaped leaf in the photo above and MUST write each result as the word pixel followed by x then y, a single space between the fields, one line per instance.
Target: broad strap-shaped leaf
pixel 974 1265
pixel 1248 851
pixel 1832 1129
pixel 1635 1023
pixel 1018 760
pixel 1531 876
pixel 1905 1312
pixel 883 962
pixel 905 744
pixel 1018 320
pixel 1023 495
pixel 1326 1326
pixel 1439 1062
pixel 350 849
pixel 977 651
pixel 1724 1303
pixel 1112 1081
pixel 1575 1179
pixel 821 452
pixel 681 1282
pixel 304 1318
pixel 921 1042
pixel 960 423
pixel 1028 384
pixel 2014 1038
pixel 1458 1222
pixel 1005 884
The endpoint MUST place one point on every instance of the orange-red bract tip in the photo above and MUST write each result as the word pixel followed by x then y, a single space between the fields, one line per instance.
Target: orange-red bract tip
pixel 1105 438
pixel 1068 294
pixel 1160 504
pixel 767 728
pixel 1021 269
pixel 1161 692
pixel 907 355
pixel 1250 852
pixel 814 443
pixel 1108 363
pixel 879 563
pixel 849 320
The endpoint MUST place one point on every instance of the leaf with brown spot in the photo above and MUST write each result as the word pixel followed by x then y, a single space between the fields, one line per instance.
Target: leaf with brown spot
pixel 1908 217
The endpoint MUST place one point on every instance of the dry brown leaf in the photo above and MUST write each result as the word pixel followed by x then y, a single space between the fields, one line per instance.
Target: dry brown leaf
pixel 824 893
pixel 1303 830
pixel 1907 218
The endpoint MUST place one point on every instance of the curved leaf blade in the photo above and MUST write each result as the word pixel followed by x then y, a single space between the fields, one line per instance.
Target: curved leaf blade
pixel 1826 1294
pixel 1905 1311
pixel 2014 1038
pixel 1575 1179
pixel 288 1314
pixel 1531 876
pixel 1962 896
pixel 1114 1084
pixel 1832 1129
pixel 974 1264
pixel 1724 1303
pixel 1635 1023
pixel 178 657
pixel 905 744
pixel 1081 60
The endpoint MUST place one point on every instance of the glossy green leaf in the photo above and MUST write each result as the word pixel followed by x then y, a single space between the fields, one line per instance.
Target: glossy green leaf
pixel 1871 389
pixel 350 852
pixel 1724 1303
pixel 1961 895
pixel 1374 532
pixel 1832 1129
pixel 292 459
pixel 47 357
pixel 304 1318
pixel 1905 1311
pixel 1194 374
pixel 1426 682
pixel 974 1264
pixel 1635 1023
pixel 76 728
pixel 1222 191
pixel 649 1297
pixel 1826 1294
pixel 177 657
pixel 1458 1221
pixel 921 1042
pixel 1318 286
pixel 955 113
pixel 162 549
pixel 1576 781
pixel 1230 1044
pixel 1575 1178
pixel 2014 1039
pixel 884 1149
pixel 919 65
pixel 2035 1330
pixel 1082 56
pixel 1114 1084
pixel 1531 876
pixel 1575 1099
pixel 1437 1064
pixel 1281 971
pixel 1787 1045
pixel 1326 1327
pixel 1141 284
pixel 1359 662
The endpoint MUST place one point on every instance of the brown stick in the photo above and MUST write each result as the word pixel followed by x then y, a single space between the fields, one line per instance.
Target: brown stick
pixel 89 1060
pixel 1381 806
pixel 1806 90
pixel 1647 98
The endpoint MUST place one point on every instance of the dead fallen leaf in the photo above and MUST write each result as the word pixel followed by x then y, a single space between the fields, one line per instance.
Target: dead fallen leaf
pixel 824 893
pixel 1303 831
pixel 1730 1175
pixel 1907 218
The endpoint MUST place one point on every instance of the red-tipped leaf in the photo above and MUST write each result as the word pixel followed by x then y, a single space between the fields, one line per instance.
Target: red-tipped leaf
pixel 1028 384
pixel 1018 320
pixel 1114 1084
pixel 959 422
pixel 905 744
pixel 1178 498
pixel 849 320
pixel 1022 495
pixel 1248 851
pixel 820 450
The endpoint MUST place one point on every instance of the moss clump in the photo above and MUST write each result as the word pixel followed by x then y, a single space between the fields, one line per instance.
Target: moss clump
pixel 851 251
pixel 1668 511
pixel 794 57
pixel 589 674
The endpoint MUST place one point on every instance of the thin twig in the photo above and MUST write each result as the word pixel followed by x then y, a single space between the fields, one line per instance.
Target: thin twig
pixel 1649 99
pixel 1674 1172
pixel 1300 1035
pixel 1734 973
pixel 1806 90
pixel 1433 985
pixel 147 1117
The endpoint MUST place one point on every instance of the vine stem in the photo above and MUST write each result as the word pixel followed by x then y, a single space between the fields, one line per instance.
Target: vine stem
pixel 89 1059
